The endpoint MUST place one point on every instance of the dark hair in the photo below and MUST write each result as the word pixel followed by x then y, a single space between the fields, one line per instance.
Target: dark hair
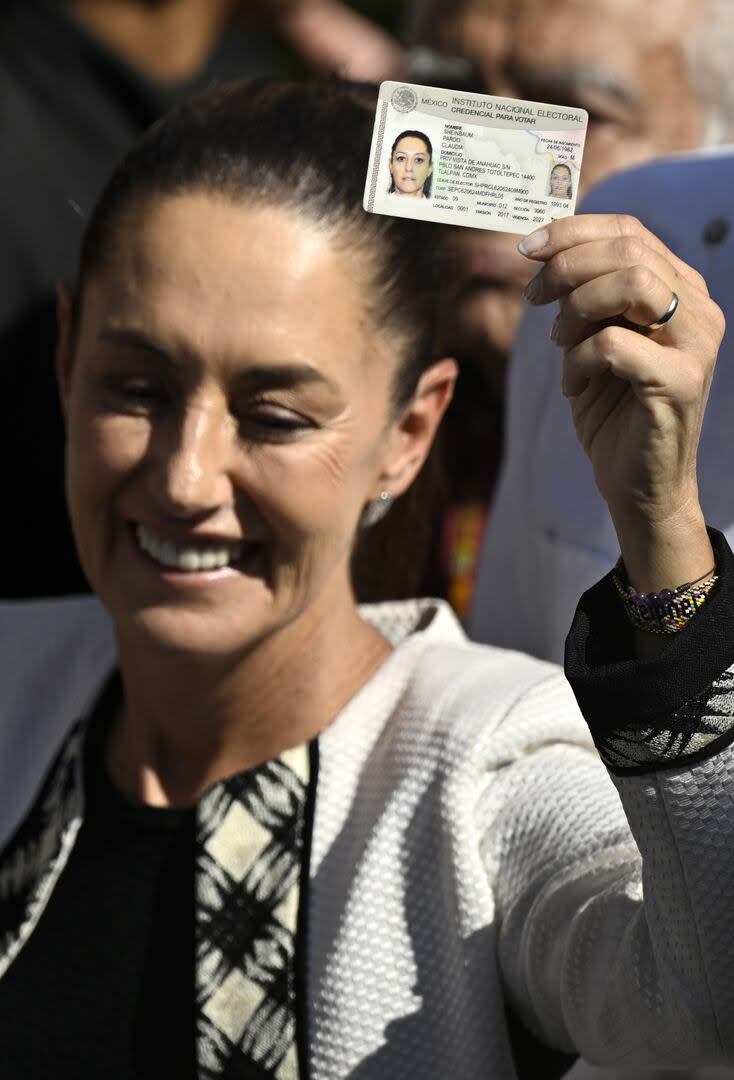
pixel 304 146
pixel 562 165
pixel 429 147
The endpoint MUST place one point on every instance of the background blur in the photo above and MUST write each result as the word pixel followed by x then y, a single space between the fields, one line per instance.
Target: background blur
pixel 389 13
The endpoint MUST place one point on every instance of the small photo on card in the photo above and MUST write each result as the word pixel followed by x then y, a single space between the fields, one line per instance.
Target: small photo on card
pixel 470 159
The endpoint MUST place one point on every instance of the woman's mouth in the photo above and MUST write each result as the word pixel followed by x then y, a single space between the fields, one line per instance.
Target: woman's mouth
pixel 199 558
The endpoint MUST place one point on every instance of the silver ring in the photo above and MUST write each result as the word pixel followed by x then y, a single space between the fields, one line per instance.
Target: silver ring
pixel 667 316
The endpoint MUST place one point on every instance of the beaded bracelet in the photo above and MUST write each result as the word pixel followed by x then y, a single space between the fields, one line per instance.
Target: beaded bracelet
pixel 668 611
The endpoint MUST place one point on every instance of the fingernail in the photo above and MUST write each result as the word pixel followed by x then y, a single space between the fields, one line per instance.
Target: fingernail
pixel 555 330
pixel 534 243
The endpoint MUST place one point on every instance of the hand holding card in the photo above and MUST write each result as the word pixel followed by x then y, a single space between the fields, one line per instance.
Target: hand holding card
pixel 469 159
pixel 637 386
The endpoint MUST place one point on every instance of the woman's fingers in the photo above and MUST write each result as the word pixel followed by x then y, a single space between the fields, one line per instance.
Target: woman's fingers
pixel 641 298
pixel 647 365
pixel 609 267
pixel 575 267
pixel 630 237
pixel 636 293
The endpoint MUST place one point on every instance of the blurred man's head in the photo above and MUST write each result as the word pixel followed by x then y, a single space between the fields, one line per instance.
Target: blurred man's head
pixel 654 79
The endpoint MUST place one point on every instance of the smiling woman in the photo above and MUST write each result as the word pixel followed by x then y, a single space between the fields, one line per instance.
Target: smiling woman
pixel 303 838
pixel 291 367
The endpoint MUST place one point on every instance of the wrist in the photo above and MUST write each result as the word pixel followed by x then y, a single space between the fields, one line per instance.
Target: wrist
pixel 667 551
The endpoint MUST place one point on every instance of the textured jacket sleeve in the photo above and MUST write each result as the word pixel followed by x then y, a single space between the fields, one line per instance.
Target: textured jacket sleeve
pixel 616 936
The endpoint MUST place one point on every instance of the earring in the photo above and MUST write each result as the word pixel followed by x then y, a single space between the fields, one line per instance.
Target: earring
pixel 377 509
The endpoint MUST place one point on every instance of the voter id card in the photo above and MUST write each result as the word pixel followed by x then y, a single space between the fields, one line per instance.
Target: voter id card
pixel 470 159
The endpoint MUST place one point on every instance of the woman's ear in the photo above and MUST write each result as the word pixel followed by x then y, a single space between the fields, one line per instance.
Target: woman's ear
pixel 414 430
pixel 64 341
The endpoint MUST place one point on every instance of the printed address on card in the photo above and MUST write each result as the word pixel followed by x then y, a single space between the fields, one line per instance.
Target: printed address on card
pixel 470 159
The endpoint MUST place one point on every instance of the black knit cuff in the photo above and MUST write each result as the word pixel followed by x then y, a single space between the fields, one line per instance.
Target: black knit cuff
pixel 646 715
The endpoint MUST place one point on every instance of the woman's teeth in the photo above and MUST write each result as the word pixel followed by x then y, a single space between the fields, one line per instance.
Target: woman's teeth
pixel 187 557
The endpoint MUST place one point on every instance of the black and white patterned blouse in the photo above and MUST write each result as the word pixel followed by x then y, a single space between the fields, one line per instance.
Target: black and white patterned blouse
pixel 232 866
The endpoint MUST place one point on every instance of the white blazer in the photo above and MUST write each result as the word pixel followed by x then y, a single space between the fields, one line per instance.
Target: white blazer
pixel 469 850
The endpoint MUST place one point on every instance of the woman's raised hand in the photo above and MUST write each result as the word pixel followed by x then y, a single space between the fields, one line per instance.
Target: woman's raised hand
pixel 637 395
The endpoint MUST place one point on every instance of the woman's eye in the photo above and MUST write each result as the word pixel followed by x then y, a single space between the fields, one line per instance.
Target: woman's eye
pixel 136 393
pixel 274 422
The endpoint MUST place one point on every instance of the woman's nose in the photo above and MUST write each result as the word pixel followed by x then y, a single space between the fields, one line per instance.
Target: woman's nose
pixel 192 473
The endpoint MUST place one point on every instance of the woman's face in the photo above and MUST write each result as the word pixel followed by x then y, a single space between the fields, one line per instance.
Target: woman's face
pixel 410 166
pixel 227 410
pixel 560 182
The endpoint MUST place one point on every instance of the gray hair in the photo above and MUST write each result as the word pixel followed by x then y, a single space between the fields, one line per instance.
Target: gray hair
pixel 708 50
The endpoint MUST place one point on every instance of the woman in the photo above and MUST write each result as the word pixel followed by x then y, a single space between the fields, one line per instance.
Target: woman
pixel 561 182
pixel 411 165
pixel 251 830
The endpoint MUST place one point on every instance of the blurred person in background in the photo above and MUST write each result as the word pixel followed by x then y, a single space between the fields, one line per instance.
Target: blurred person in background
pixel 653 81
pixel 329 36
pixel 79 81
